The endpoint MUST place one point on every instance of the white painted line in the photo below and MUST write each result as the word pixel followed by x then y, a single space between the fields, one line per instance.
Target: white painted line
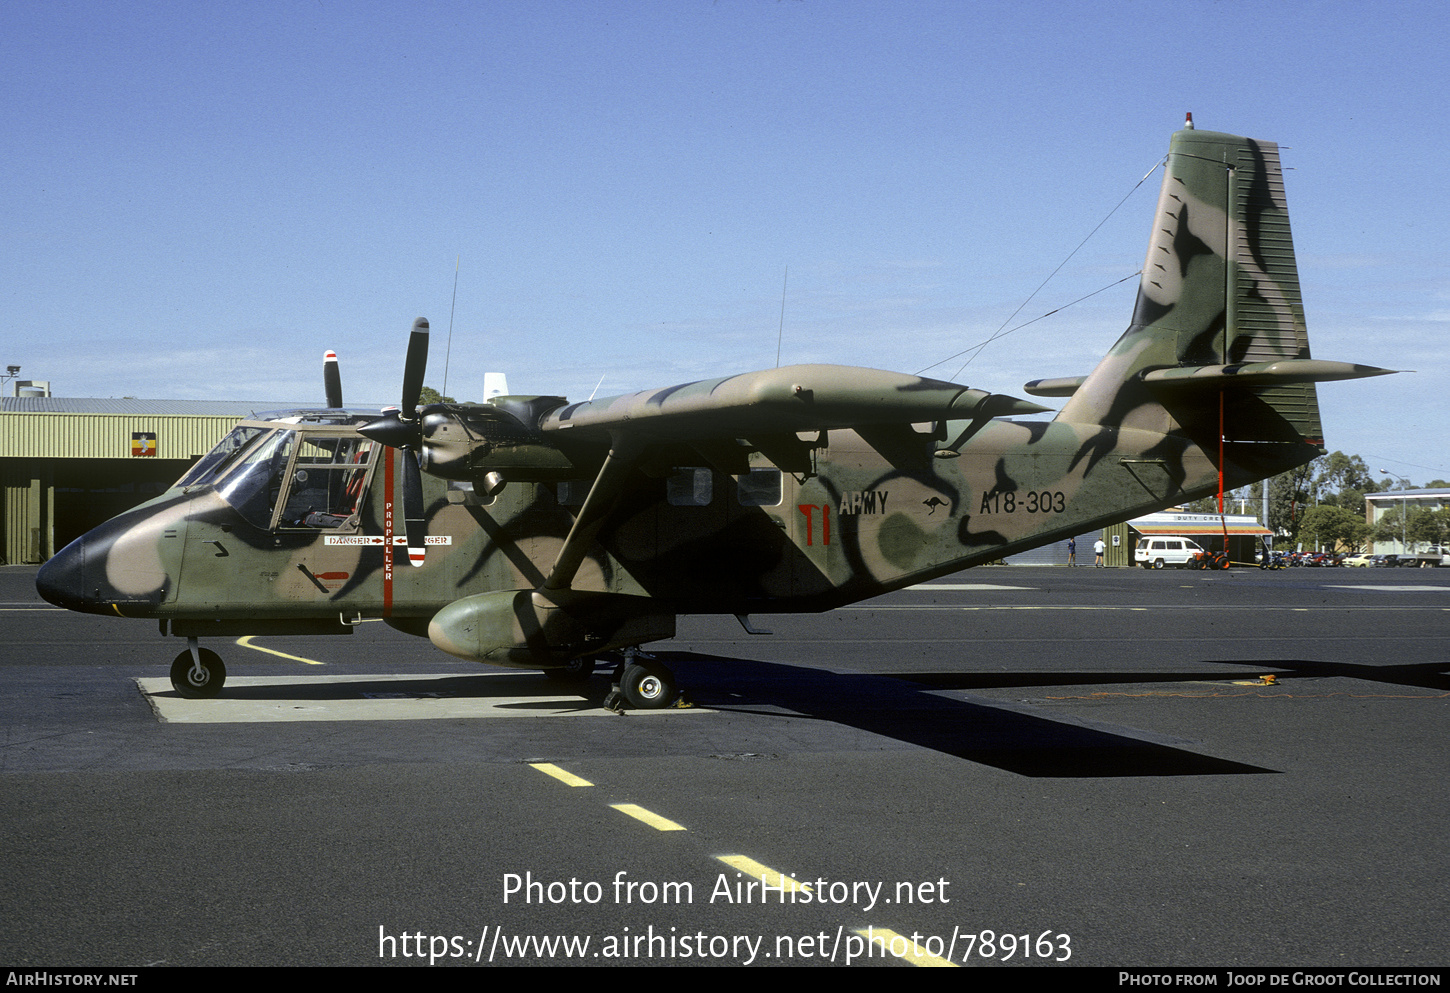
pixel 1393 589
pixel 246 642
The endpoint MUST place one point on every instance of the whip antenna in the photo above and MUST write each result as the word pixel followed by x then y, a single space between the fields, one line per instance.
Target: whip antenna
pixel 449 350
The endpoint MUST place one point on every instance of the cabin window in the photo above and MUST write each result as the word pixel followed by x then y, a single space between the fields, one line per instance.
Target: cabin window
pixel 759 488
pixel 692 487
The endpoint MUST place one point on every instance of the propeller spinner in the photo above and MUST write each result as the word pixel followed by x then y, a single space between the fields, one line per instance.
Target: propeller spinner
pixel 401 429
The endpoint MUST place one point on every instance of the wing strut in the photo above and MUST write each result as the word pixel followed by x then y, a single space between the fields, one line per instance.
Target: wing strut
pixel 618 465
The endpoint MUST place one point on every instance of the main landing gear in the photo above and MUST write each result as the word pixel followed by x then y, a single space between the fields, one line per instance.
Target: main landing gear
pixel 640 680
pixel 197 673
pixel 647 685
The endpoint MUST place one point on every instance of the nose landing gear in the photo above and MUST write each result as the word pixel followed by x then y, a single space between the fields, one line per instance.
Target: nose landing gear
pixel 197 673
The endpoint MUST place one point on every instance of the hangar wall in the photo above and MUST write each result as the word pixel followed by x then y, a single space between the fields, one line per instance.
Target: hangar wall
pixel 66 465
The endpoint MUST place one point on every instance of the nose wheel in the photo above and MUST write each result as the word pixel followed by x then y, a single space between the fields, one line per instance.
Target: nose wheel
pixel 198 673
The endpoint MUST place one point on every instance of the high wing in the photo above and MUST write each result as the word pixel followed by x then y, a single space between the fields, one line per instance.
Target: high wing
pixel 792 398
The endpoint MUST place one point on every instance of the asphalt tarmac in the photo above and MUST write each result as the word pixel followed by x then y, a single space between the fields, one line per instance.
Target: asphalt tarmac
pixel 1018 765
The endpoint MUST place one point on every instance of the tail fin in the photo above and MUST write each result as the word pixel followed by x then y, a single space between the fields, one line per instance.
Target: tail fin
pixel 1218 309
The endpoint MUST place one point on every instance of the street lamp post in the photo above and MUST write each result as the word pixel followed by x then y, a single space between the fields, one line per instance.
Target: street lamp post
pixel 1404 511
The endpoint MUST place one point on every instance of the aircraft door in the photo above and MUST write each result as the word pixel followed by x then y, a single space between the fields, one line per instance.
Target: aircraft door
pixel 320 512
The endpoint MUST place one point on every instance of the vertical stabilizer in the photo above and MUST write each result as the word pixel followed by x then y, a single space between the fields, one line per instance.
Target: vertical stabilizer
pixel 1219 289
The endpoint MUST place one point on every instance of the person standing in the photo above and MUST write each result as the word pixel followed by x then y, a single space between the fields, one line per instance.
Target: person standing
pixel 1071 553
pixel 1098 554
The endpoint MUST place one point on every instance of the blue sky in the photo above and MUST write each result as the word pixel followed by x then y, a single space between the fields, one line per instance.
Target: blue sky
pixel 200 198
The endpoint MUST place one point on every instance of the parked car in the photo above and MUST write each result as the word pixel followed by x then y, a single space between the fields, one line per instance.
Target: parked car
pixel 1361 561
pixel 1155 553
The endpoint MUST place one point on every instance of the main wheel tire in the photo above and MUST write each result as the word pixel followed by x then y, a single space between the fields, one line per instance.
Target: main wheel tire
pixel 1157 563
pixel 647 685
pixel 198 686
pixel 576 671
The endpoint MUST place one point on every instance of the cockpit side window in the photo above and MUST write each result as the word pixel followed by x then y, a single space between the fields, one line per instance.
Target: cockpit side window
pixel 326 482
pixel 293 479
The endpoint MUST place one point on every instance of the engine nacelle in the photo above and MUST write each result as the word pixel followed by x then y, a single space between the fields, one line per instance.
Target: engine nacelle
pixel 466 441
pixel 529 629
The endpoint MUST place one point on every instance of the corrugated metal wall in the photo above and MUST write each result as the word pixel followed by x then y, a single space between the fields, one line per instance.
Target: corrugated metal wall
pixel 106 436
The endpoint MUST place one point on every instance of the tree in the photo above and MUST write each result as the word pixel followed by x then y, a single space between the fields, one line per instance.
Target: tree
pixel 1343 480
pixel 1334 527
pixel 429 395
pixel 1428 527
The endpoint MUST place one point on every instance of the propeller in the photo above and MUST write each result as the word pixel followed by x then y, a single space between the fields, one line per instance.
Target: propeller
pixel 402 429
pixel 331 379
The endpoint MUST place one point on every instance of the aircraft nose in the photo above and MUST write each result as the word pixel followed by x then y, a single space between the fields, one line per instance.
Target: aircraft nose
pixel 113 569
pixel 62 580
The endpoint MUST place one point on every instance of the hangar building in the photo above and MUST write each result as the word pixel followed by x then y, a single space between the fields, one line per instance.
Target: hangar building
pixel 67 465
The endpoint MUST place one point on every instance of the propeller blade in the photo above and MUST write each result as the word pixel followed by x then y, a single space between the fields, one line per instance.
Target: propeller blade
pixel 331 379
pixel 413 523
pixel 414 367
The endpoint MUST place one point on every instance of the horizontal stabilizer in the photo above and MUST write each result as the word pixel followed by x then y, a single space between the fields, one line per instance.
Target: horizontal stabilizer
pixel 1280 372
pixel 1063 387
pixel 1277 373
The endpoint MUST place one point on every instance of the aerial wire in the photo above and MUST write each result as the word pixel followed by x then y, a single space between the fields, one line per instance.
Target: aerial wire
pixel 1000 332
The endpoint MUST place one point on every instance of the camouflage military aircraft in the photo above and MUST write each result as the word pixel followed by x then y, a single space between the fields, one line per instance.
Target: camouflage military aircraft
pixel 546 534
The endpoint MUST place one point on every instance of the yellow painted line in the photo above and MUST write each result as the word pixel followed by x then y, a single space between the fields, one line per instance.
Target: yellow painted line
pixel 764 873
pixel 652 819
pixel 563 776
pixel 246 642
pixel 911 951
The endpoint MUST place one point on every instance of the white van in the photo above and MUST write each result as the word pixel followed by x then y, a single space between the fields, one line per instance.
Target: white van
pixel 1155 553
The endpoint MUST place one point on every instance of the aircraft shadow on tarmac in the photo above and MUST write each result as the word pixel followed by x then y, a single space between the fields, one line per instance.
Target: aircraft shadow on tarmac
pixel 1426 675
pixel 907 708
pixel 1035 746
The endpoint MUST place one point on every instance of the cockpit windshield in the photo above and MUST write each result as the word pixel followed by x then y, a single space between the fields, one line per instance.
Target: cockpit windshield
pixel 215 462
